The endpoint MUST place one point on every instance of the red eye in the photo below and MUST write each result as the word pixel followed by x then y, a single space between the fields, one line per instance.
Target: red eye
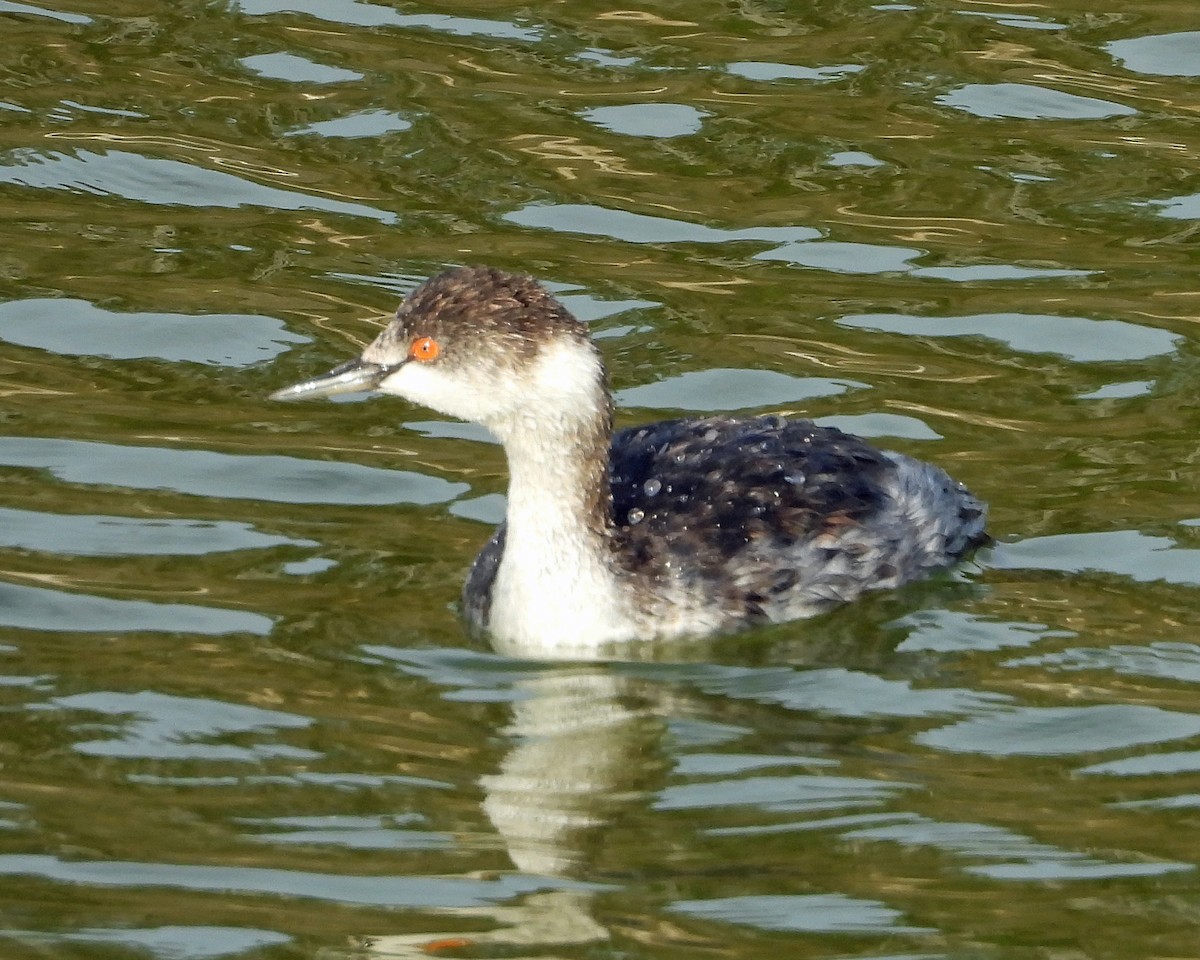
pixel 424 349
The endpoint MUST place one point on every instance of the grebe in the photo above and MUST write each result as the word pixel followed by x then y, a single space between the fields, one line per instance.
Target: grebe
pixel 683 527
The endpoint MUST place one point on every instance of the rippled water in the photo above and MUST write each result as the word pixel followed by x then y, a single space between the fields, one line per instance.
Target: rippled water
pixel 239 716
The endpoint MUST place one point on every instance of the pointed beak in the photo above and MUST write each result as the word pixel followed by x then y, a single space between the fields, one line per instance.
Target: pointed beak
pixel 354 376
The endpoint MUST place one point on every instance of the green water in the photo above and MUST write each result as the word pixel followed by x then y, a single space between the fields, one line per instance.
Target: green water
pixel 238 715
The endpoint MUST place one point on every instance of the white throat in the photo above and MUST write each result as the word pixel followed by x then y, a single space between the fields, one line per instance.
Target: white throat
pixel 556 588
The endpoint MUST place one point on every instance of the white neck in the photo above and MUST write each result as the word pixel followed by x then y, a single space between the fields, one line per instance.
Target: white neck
pixel 556 588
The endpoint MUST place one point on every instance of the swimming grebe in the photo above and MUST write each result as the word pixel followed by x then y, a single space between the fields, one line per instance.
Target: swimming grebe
pixel 682 527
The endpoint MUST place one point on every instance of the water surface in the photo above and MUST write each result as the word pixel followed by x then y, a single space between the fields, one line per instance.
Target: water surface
pixel 240 717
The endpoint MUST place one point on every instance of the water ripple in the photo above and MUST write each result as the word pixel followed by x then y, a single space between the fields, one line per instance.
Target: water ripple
pixel 40 608
pixel 1127 553
pixel 161 726
pixel 759 70
pixel 797 245
pixel 368 123
pixel 380 891
pixel 656 120
pixel 1062 731
pixel 1078 338
pixel 361 14
pixel 1026 101
pixel 1021 858
pixel 640 228
pixel 731 389
pixel 800 792
pixel 158 181
pixel 94 535
pixel 814 913
pixel 841 692
pixel 1164 54
pixel 1167 661
pixel 202 473
pixel 167 942
pixel 9 6
pixel 289 66
pixel 79 328
pixel 348 832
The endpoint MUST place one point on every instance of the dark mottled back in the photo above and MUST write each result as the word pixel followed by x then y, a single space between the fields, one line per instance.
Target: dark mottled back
pixel 750 489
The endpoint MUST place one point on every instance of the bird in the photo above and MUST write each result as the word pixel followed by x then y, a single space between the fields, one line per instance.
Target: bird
pixel 680 528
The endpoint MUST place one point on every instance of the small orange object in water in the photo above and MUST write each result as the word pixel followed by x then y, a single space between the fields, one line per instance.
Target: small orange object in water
pixel 449 943
pixel 424 349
